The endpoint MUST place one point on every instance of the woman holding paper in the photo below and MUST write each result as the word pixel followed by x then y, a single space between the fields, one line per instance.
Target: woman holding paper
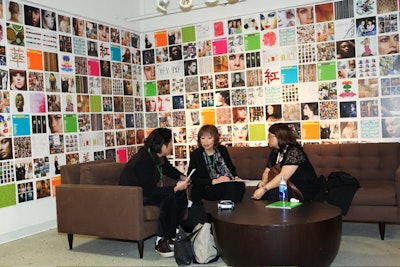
pixel 214 170
pixel 146 169
pixel 295 166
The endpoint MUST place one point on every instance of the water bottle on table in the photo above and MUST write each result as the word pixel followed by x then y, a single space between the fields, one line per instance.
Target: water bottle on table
pixel 283 193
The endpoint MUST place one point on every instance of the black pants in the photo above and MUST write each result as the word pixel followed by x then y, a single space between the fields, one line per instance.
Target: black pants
pixel 273 195
pixel 172 210
pixel 225 191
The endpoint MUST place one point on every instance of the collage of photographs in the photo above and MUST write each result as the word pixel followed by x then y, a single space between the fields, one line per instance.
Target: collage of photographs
pixel 74 90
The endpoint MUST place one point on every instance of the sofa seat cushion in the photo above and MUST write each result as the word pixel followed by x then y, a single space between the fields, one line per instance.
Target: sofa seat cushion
pixel 375 193
pixel 151 213
pixel 101 174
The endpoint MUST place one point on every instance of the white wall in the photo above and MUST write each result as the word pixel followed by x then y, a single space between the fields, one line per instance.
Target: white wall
pixel 27 219
pixel 160 21
pixel 32 217
pixel 117 11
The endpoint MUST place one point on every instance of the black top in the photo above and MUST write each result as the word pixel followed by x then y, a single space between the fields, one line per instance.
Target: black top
pixel 143 170
pixel 201 177
pixel 304 177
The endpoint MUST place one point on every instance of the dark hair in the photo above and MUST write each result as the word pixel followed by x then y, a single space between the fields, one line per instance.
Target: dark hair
pixel 208 129
pixel 14 72
pixel 277 111
pixel 13 7
pixel 225 95
pixel 312 106
pixel 29 10
pixel 157 138
pixel 284 135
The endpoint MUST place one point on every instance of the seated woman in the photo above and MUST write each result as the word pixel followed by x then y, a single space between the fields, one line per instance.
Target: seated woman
pixel 214 168
pixel 295 166
pixel 210 180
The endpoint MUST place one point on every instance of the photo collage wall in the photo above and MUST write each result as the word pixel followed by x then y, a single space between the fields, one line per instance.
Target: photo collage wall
pixel 75 90
pixel 67 95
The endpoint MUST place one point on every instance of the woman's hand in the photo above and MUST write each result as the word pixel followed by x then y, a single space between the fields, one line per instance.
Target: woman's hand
pixel 220 180
pixel 261 184
pixel 181 185
pixel 237 178
pixel 258 193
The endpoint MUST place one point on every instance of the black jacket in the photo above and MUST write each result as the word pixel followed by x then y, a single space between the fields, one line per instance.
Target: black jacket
pixel 141 170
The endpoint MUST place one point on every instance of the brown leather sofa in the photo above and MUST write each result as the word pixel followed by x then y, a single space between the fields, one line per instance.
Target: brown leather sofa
pixel 375 165
pixel 90 202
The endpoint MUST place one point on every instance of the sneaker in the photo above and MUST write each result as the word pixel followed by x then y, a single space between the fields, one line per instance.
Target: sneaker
pixel 163 248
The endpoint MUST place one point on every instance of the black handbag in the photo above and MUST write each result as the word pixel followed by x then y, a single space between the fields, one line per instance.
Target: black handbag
pixel 183 251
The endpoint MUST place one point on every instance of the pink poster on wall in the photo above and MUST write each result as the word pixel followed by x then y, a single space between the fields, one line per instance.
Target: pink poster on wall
pixel 220 46
pixel 93 67
pixel 218 28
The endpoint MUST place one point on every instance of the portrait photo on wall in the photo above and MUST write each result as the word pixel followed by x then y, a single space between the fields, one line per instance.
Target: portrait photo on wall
pixel 345 49
pixel 14 13
pixel 175 53
pixel 366 26
pixel 221 80
pixel 49 20
pixel 348 109
pixel 91 30
pixel 32 16
pixel 18 80
pixel 190 67
pixel 390 107
pixel 64 24
pixel 148 57
pixel 391 127
pixel 310 111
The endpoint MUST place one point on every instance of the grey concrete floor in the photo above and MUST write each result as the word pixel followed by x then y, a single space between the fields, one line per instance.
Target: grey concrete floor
pixel 360 246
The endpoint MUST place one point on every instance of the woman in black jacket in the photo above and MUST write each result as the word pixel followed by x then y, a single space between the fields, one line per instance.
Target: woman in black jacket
pixel 146 169
pixel 215 176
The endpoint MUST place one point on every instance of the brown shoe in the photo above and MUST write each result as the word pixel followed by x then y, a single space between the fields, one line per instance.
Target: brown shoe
pixel 163 248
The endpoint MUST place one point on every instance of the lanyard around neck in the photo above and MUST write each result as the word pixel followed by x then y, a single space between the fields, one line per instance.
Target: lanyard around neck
pixel 159 169
pixel 211 160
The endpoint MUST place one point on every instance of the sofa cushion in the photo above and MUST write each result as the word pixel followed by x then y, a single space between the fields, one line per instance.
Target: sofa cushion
pixel 375 193
pixel 249 163
pixel 70 174
pixel 151 213
pixel 101 174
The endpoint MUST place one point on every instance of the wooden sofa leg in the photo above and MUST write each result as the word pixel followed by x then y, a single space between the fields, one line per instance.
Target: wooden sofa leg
pixel 140 247
pixel 382 226
pixel 70 240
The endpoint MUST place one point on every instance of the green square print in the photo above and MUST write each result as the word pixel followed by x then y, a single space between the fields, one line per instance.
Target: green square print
pixel 7 195
pixel 188 34
pixel 257 132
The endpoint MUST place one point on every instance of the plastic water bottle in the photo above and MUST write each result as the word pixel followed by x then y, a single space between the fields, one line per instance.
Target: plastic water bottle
pixel 283 196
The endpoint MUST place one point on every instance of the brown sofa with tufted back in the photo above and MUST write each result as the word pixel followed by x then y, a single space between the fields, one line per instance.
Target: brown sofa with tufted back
pixel 375 165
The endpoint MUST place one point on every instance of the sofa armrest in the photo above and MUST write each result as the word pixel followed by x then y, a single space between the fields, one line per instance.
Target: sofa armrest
pixel 102 210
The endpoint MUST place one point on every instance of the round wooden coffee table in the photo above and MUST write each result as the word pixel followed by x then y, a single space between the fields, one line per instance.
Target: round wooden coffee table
pixel 252 235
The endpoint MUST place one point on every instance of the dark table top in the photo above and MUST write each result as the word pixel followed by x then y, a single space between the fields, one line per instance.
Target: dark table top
pixel 254 212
